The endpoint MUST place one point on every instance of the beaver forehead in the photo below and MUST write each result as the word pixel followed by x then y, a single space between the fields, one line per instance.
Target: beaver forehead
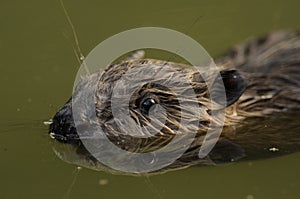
pixel 134 74
pixel 164 79
pixel 148 70
pixel 115 71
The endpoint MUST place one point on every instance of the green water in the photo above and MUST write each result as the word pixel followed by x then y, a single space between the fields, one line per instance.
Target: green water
pixel 37 71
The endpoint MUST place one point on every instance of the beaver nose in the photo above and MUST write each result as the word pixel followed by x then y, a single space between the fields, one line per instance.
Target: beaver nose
pixel 63 128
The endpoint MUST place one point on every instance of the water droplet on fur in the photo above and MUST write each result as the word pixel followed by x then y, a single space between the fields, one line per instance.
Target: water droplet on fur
pixel 149 158
pixel 47 123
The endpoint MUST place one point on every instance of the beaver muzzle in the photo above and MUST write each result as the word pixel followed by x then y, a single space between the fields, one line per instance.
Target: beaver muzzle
pixel 63 127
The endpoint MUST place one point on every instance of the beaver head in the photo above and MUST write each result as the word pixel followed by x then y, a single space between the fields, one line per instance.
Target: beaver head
pixel 154 108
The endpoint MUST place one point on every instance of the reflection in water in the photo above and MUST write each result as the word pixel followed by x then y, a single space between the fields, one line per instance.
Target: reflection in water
pixel 259 138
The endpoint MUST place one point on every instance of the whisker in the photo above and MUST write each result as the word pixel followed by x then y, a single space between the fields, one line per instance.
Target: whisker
pixel 78 51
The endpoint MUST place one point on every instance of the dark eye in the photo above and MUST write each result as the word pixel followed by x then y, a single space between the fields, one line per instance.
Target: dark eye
pixel 147 104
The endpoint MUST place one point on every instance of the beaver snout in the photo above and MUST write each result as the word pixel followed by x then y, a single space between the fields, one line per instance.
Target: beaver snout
pixel 63 128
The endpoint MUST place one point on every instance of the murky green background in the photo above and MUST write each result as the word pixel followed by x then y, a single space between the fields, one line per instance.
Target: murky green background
pixel 38 67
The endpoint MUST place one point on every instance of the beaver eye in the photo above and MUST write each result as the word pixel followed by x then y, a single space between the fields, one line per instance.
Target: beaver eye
pixel 147 104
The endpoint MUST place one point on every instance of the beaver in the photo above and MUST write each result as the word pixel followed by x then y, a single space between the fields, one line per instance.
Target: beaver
pixel 262 86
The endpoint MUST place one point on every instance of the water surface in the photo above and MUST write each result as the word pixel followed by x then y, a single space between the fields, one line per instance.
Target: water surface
pixel 37 71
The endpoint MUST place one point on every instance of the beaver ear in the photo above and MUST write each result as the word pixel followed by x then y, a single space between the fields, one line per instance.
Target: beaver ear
pixel 234 85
